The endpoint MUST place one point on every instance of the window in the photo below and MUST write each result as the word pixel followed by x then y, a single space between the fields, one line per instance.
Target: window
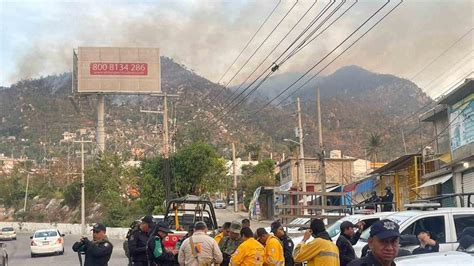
pixel 310 169
pixel 462 221
pixel 435 225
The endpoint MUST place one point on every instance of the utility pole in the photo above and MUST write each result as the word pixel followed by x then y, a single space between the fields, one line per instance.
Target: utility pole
pixel 83 193
pixel 234 171
pixel 321 155
pixel 301 137
pixel 166 143
pixel 100 122
pixel 26 192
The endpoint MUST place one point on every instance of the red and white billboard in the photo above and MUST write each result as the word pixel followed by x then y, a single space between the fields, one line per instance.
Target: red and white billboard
pixel 117 70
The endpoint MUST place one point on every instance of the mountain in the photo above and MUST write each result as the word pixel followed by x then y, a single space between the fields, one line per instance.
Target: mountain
pixel 355 103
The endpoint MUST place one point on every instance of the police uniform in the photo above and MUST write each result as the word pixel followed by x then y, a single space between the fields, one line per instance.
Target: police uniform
pixel 156 252
pixel 287 244
pixel 97 252
pixel 344 243
pixel 137 243
pixel 382 229
pixel 249 253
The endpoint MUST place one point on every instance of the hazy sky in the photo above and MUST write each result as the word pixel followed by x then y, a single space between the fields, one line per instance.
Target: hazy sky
pixel 37 37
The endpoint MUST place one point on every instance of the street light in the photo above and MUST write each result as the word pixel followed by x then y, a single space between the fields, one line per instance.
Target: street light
pixel 290 140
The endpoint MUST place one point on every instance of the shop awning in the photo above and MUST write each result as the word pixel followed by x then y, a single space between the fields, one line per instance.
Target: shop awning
pixel 437 181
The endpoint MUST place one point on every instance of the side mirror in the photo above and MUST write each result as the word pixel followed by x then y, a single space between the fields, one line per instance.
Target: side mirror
pixel 409 240
pixel 31 237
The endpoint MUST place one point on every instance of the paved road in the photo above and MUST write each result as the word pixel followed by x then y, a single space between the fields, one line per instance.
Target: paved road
pixel 19 253
pixel 19 250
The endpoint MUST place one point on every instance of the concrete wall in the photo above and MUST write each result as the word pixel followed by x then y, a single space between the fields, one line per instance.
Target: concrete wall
pixel 67 229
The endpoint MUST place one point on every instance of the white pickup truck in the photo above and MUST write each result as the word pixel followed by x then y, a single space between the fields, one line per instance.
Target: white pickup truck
pixel 445 225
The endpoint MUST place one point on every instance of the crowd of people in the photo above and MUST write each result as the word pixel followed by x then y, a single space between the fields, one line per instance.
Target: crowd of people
pixel 237 244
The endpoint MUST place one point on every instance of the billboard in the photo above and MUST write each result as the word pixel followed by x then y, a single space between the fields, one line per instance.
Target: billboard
pixel 461 119
pixel 118 70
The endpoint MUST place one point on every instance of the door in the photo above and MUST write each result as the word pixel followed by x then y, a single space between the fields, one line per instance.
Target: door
pixel 468 185
pixel 435 224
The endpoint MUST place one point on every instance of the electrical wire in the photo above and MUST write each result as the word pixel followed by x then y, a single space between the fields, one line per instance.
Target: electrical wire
pixel 245 47
pixel 339 45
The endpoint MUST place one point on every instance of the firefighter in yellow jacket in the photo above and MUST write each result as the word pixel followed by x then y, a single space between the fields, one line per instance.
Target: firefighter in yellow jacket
pixel 250 252
pixel 224 232
pixel 321 250
pixel 274 255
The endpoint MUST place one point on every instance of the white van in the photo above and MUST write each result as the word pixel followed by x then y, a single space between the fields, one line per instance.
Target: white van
pixel 445 225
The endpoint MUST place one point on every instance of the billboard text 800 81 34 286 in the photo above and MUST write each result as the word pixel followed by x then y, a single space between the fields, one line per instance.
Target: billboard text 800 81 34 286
pixel 117 70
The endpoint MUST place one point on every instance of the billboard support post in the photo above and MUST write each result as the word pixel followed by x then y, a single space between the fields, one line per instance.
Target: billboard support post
pixel 100 122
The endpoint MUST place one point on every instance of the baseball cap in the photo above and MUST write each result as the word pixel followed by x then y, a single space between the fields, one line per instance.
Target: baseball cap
pixel 235 227
pixel 384 229
pixel 346 224
pixel 274 226
pixel 148 219
pixel 163 227
pixel 98 227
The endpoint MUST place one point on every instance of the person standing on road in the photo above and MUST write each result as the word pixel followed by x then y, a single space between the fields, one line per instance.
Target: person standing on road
pixel 250 252
pixel 245 223
pixel 224 232
pixel 387 199
pixel 229 244
pixel 137 242
pixel 347 239
pixel 99 250
pixel 287 243
pixel 199 249
pixel 427 244
pixel 384 244
pixel 156 252
pixel 321 250
pixel 273 249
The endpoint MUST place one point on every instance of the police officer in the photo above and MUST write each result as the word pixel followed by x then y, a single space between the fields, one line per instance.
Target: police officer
pixel 137 243
pixel 346 239
pixel 384 244
pixel 387 199
pixel 229 243
pixel 372 201
pixel 99 250
pixel 156 251
pixel 286 242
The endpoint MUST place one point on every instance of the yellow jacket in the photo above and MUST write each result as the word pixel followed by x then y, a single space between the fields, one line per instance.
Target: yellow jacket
pixel 249 253
pixel 317 252
pixel 218 237
pixel 273 252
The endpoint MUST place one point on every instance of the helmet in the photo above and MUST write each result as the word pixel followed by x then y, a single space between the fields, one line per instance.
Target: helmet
pixel 388 188
pixel 373 193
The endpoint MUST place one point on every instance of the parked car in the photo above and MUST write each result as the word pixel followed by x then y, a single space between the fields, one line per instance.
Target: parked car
pixel 231 203
pixel 47 241
pixel 3 255
pixel 7 233
pixel 220 204
pixel 444 224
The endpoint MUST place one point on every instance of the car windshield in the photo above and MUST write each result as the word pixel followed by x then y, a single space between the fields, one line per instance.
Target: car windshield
pixel 335 229
pixel 7 229
pixel 397 217
pixel 219 201
pixel 46 234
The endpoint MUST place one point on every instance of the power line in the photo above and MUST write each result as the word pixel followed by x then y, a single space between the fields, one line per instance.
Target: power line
pixel 245 47
pixel 276 66
pixel 442 53
pixel 339 45
pixel 307 28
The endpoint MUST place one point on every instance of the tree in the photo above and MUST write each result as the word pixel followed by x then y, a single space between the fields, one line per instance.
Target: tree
pixel 253 177
pixel 198 168
pixel 374 144
pixel 151 186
